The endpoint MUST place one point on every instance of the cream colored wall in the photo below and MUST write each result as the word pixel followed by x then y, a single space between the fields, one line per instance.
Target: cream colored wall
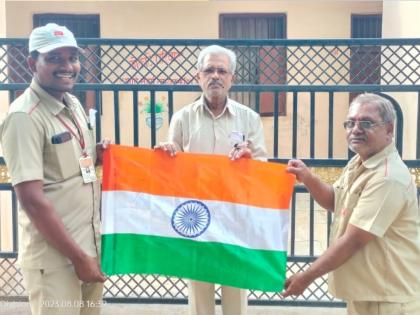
pixel 183 19
pixel 200 19
pixel 2 18
pixel 5 204
pixel 401 20
pixel 3 33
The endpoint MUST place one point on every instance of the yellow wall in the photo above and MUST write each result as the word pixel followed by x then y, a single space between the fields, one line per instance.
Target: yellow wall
pixel 2 18
pixel 186 19
pixel 3 94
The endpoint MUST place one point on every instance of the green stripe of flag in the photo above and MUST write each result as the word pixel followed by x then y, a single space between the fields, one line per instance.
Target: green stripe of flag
pixel 205 261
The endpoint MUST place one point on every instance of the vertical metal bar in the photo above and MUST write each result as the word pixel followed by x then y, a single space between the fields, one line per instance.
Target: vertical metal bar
pixel 117 117
pixel 98 108
pixel 312 126
pixel 294 127
pixel 311 226
pixel 293 224
pixel 276 125
pixel 12 96
pixel 400 127
pixel 330 124
pixel 14 222
pixel 329 221
pixel 170 105
pixel 1 233
pixel 418 127
pixel 136 118
pixel 153 118
pixel 257 102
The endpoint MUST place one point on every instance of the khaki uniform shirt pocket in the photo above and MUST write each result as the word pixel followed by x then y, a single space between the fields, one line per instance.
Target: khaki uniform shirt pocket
pixel 346 212
pixel 60 161
pixel 343 211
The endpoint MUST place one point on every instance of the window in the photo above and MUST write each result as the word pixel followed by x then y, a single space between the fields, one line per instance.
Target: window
pixel 258 65
pixel 366 26
pixel 82 25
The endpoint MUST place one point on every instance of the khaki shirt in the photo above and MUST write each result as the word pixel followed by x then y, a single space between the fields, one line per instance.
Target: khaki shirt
pixel 26 137
pixel 194 128
pixel 380 197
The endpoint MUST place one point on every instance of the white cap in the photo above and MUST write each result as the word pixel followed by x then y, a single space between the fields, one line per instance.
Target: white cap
pixel 49 37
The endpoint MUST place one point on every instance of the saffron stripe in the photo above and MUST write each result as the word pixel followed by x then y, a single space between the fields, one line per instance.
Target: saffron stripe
pixel 198 176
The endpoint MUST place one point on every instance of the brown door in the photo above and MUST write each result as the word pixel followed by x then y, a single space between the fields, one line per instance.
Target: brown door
pixel 263 65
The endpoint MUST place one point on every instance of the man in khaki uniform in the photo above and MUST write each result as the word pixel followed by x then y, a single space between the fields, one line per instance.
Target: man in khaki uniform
pixel 50 152
pixel 374 255
pixel 218 125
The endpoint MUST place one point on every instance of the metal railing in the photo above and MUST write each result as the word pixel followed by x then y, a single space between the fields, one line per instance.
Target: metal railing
pixel 292 78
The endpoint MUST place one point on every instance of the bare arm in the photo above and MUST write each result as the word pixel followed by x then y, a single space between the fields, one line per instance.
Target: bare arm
pixel 174 142
pixel 43 216
pixel 322 193
pixel 337 254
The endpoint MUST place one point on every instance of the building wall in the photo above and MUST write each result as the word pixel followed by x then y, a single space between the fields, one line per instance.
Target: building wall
pixel 2 18
pixel 193 19
pixel 3 94
pixel 5 201
pixel 401 20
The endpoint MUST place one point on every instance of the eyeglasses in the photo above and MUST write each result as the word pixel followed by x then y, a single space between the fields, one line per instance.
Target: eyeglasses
pixel 363 124
pixel 211 70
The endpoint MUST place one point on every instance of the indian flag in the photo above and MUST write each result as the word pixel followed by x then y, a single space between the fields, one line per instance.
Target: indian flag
pixel 196 216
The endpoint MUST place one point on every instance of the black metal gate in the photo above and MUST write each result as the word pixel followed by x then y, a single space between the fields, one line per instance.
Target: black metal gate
pixel 318 76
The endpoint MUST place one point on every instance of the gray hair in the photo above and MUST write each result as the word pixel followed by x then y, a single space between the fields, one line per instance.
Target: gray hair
pixel 384 106
pixel 216 49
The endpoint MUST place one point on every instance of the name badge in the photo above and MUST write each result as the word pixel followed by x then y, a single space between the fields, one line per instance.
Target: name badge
pixel 236 137
pixel 88 169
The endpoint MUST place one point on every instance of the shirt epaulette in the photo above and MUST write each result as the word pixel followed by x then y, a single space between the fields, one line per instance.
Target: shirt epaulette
pixel 73 98
pixel 27 103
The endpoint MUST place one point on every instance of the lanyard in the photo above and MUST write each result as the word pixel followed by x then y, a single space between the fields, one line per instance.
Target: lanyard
pixel 79 136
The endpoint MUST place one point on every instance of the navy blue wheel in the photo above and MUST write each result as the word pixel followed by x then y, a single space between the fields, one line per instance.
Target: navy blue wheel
pixel 191 218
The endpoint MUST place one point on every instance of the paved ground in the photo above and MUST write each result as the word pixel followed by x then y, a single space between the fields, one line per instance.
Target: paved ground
pixel 20 308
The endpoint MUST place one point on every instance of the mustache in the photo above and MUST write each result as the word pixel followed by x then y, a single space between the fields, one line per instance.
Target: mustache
pixel 215 82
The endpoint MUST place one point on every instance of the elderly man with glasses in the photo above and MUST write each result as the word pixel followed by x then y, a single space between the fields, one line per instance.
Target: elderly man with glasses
pixel 374 254
pixel 216 124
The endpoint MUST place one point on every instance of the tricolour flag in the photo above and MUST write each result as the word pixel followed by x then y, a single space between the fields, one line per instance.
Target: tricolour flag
pixel 195 216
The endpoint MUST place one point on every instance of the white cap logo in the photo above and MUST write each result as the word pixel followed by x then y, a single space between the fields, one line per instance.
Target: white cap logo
pixel 49 37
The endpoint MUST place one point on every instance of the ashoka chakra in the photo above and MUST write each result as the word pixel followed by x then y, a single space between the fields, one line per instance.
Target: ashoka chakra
pixel 191 218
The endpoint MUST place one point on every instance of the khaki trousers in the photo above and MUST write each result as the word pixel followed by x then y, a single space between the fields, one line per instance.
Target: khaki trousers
pixel 382 308
pixel 201 299
pixel 60 292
